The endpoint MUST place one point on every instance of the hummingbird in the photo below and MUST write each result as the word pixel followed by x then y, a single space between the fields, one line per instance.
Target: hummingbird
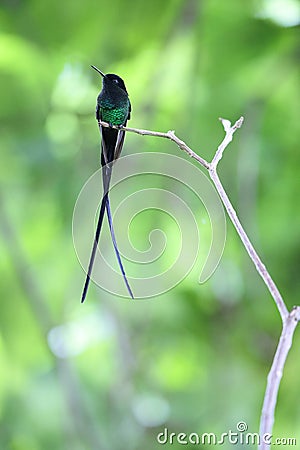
pixel 113 107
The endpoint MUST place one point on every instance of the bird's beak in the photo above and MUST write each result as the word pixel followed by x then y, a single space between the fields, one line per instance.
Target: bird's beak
pixel 99 71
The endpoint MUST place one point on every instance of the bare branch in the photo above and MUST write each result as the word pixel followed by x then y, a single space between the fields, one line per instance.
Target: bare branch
pixel 275 375
pixel 169 135
pixel 212 168
pixel 289 320
pixel 260 267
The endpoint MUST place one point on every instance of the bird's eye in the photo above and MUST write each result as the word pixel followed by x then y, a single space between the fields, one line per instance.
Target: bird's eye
pixel 116 81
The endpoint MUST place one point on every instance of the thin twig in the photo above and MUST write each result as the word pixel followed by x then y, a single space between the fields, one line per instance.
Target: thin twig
pixel 289 320
pixel 169 135
pixel 229 130
pixel 260 267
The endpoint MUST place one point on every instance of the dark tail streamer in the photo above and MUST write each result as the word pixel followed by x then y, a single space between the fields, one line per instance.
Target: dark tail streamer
pixel 113 237
pixel 95 245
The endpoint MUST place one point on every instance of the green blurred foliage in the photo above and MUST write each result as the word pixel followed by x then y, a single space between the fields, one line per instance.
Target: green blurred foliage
pixel 111 374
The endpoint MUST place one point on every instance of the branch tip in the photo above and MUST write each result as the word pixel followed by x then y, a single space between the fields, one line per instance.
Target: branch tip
pixel 226 124
pixel 295 313
pixel 239 122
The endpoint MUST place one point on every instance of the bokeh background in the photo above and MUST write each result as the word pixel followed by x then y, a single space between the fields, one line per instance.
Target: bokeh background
pixel 112 373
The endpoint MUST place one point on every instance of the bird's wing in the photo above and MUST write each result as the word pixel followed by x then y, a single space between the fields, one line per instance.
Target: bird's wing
pixel 119 143
pixel 121 136
pixel 107 157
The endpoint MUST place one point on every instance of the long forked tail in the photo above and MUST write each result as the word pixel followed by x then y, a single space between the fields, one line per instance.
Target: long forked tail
pixel 104 204
pixel 113 237
pixel 95 245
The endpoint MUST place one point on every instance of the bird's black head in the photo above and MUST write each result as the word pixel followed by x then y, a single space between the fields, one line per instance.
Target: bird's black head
pixel 111 79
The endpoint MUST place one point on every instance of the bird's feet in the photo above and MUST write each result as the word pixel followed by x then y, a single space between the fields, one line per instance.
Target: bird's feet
pixel 117 127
